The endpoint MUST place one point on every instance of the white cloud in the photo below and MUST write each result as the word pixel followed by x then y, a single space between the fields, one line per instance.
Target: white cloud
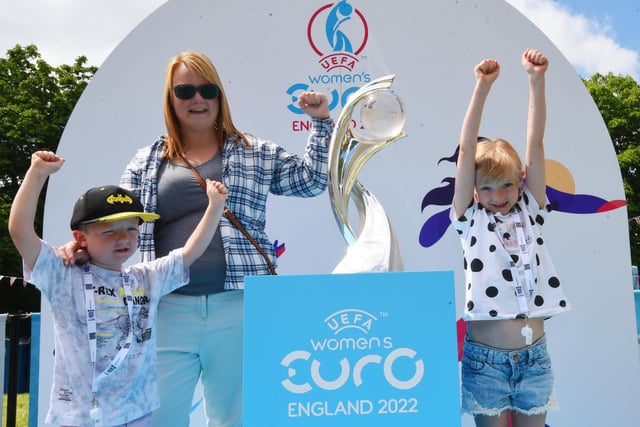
pixel 587 43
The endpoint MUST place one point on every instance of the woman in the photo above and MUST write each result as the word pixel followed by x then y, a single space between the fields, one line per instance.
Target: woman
pixel 200 326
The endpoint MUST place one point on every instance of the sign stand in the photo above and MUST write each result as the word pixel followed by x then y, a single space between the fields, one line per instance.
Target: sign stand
pixel 370 349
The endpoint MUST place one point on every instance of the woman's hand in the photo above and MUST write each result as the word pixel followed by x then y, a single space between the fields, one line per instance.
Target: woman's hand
pixel 72 253
pixel 315 104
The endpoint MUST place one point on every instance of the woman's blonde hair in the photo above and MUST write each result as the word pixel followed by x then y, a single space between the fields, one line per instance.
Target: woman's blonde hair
pixel 224 127
pixel 496 159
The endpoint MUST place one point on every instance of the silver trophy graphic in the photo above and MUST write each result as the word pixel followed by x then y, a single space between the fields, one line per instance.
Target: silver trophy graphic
pixel 382 115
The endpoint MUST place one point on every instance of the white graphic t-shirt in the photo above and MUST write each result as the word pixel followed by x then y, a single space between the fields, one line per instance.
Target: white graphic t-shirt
pixel 130 392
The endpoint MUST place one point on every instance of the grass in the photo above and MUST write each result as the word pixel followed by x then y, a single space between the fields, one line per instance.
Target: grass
pixel 22 410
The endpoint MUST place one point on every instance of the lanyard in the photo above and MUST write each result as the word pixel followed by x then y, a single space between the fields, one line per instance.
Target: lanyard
pixel 89 298
pixel 524 289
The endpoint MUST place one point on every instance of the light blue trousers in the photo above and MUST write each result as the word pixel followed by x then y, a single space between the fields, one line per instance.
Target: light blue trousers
pixel 200 337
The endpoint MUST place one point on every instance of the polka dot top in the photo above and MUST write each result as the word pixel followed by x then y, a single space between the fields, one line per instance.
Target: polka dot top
pixel 489 282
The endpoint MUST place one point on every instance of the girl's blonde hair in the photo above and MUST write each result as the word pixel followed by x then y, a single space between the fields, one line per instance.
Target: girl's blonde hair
pixel 496 159
pixel 223 127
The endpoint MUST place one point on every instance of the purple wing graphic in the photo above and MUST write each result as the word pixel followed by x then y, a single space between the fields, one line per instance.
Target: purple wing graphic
pixel 436 225
pixel 580 203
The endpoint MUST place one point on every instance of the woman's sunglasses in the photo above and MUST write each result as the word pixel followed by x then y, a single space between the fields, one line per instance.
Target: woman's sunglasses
pixel 208 91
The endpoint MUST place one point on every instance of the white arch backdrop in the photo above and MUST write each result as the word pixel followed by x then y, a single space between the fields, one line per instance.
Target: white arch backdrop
pixel 267 52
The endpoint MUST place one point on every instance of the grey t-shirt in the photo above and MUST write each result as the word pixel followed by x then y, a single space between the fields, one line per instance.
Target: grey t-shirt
pixel 181 204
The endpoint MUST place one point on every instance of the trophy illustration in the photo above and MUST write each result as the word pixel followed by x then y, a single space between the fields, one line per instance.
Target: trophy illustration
pixel 382 115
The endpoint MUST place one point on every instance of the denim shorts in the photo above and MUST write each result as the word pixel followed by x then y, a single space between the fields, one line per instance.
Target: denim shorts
pixel 495 380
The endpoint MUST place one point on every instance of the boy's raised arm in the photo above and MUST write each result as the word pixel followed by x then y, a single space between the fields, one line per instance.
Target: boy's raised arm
pixel 206 228
pixel 23 208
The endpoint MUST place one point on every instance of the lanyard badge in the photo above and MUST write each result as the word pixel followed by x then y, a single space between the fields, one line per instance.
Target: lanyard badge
pixel 523 288
pixel 96 412
pixel 87 277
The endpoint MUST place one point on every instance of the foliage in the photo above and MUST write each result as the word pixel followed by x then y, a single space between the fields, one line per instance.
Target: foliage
pixel 36 101
pixel 618 99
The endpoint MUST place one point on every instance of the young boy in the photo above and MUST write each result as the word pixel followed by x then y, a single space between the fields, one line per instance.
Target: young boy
pixel 103 314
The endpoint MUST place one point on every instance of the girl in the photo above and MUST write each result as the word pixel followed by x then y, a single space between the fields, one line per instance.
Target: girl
pixel 511 284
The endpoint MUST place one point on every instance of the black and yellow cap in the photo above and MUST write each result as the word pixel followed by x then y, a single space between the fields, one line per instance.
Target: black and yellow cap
pixel 108 203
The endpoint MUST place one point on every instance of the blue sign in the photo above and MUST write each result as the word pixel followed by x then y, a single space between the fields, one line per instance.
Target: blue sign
pixel 366 349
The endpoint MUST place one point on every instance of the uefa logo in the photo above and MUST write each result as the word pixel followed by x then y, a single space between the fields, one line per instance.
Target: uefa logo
pixel 337 33
pixel 374 351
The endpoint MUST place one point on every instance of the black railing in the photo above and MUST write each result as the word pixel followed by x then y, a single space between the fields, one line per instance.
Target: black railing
pixel 17 365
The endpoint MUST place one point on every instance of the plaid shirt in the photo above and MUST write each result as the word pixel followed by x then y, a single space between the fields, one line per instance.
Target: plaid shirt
pixel 250 174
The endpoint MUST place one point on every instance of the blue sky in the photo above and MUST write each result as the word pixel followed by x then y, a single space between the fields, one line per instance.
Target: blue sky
pixel 594 35
pixel 622 15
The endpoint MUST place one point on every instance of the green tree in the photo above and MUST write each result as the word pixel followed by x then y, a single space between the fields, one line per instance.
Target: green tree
pixel 618 99
pixel 36 101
